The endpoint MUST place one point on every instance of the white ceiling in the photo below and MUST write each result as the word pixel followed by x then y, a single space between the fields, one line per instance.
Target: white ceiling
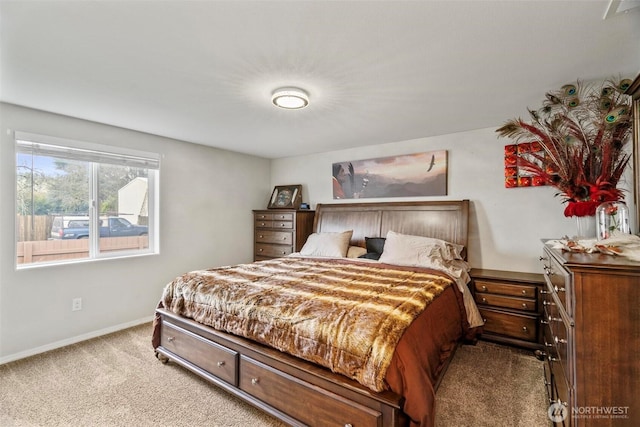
pixel 377 72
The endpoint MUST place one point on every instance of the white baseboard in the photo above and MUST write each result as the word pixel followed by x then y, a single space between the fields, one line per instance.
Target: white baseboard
pixel 73 340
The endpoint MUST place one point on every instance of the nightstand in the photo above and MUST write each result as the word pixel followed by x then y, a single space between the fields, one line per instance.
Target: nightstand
pixel 510 305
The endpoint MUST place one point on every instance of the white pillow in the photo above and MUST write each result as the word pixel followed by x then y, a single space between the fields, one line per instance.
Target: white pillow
pixel 327 244
pixel 405 249
pixel 355 251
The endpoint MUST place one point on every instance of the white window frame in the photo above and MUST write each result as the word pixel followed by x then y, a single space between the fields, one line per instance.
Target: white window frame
pixel 93 153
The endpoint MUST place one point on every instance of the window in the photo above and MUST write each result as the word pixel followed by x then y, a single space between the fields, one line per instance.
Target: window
pixel 79 201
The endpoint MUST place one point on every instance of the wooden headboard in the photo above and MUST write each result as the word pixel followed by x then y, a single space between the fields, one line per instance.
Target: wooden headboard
pixel 446 220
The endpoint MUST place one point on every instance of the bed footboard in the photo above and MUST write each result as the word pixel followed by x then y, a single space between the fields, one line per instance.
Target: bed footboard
pixel 297 392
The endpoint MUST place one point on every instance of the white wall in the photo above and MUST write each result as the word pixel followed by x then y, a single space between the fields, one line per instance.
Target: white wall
pixel 506 224
pixel 206 198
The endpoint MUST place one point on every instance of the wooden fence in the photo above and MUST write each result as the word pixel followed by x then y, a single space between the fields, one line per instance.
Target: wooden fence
pixel 55 250
pixel 33 227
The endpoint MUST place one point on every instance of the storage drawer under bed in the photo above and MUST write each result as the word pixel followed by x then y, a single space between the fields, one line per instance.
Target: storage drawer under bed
pixel 213 358
pixel 320 408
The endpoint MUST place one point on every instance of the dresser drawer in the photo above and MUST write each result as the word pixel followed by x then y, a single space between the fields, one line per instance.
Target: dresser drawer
pixel 510 324
pixel 506 302
pixel 279 237
pixel 286 216
pixel 320 407
pixel 263 217
pixel 557 336
pixel 510 289
pixel 561 393
pixel 213 358
pixel 262 223
pixel 559 281
pixel 264 249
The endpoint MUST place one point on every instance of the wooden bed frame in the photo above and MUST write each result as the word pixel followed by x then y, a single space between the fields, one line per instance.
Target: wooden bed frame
pixel 293 390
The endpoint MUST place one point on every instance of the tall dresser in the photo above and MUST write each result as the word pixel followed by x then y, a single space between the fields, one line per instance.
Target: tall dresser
pixel 591 335
pixel 279 232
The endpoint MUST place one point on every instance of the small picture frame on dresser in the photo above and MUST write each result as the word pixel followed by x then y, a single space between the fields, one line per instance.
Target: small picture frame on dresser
pixel 286 197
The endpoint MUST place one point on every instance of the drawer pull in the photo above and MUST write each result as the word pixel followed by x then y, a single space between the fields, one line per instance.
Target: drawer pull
pixel 543 292
pixel 284 238
pixel 524 328
pixel 553 359
pixel 543 322
pixel 559 340
pixel 542 258
pixel 282 225
pixel 260 250
pixel 558 401
pixel 348 425
pixel 559 289
pixel 261 236
pixel 220 364
pixel 548 303
pixel 524 292
pixel 484 288
pixel 546 344
pixel 262 224
pixel 524 305
pixel 284 252
pixel 484 300
pixel 171 339
pixel 255 381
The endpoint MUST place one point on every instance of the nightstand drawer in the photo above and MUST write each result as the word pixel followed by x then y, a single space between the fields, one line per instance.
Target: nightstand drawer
pixel 511 289
pixel 523 304
pixel 509 324
pixel 273 250
pixel 279 237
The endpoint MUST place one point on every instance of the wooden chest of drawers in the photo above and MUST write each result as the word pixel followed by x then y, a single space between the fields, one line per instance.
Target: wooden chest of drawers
pixel 280 232
pixel 509 304
pixel 591 336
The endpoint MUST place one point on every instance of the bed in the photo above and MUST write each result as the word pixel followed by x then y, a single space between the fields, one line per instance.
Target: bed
pixel 297 368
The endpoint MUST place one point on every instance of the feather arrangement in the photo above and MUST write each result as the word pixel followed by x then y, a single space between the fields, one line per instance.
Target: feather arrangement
pixel 583 131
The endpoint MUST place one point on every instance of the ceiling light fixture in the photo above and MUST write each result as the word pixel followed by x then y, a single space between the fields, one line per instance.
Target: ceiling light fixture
pixel 290 98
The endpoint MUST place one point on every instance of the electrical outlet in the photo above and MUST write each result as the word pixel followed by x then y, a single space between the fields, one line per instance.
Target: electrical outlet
pixel 76 304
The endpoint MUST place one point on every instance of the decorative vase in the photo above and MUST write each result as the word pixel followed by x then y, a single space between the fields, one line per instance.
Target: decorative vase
pixel 586 227
pixel 612 219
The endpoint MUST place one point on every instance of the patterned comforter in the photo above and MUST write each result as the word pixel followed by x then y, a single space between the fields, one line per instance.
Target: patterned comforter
pixel 345 315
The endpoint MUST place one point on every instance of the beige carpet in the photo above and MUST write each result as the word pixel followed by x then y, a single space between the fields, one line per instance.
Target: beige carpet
pixel 489 385
pixel 116 381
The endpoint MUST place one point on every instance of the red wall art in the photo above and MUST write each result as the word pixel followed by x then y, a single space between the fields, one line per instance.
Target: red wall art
pixel 514 174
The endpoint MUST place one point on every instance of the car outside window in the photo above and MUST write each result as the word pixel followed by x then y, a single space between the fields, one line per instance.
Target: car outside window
pixel 81 201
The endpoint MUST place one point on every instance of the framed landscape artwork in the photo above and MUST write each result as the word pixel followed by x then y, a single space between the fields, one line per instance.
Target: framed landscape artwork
pixel 410 175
